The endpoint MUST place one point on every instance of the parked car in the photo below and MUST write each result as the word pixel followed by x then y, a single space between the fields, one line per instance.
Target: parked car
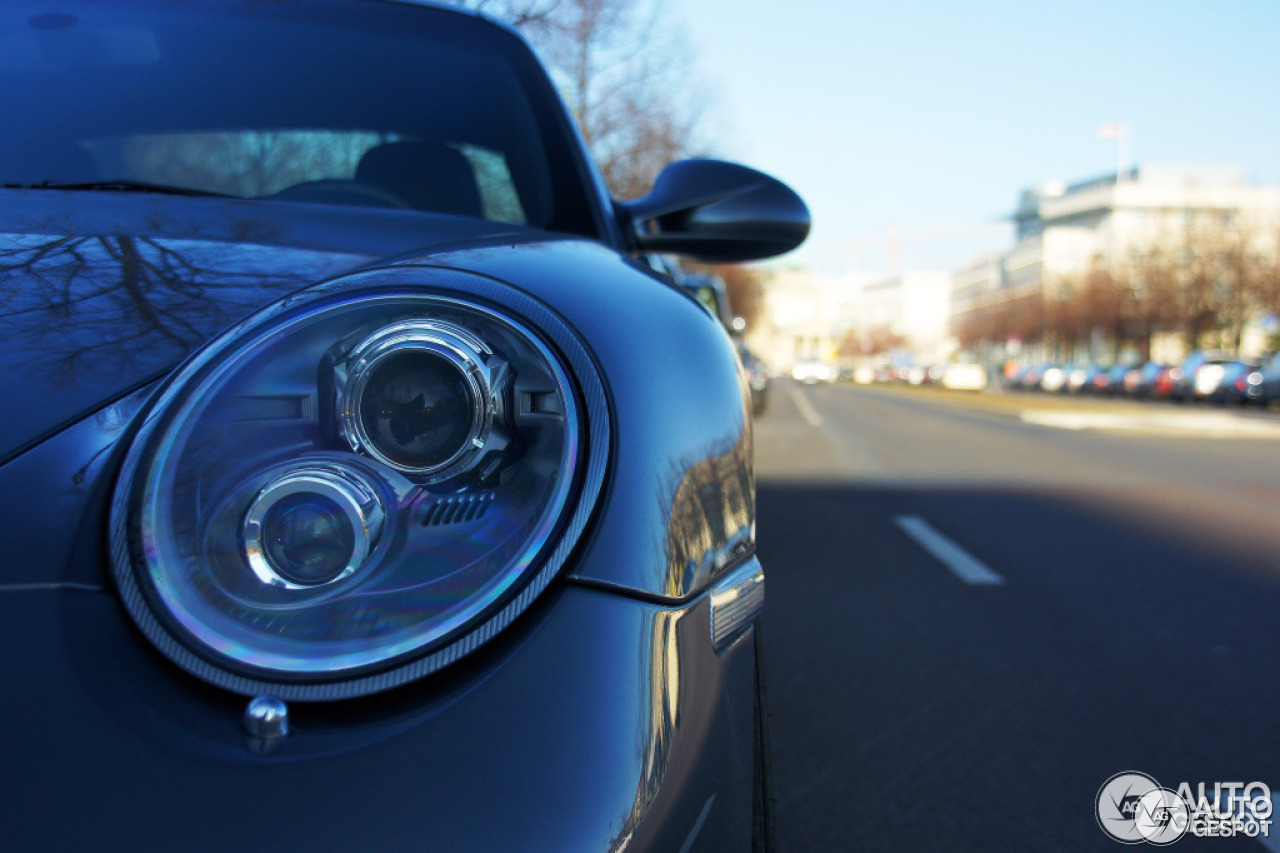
pixel 757 378
pixel 924 374
pixel 709 290
pixel 1141 382
pixel 1027 378
pixel 1112 383
pixel 1166 381
pixel 1084 378
pixel 1198 375
pixel 964 376
pixel 363 488
pixel 711 294
pixel 1268 381
pixel 1053 379
pixel 1239 384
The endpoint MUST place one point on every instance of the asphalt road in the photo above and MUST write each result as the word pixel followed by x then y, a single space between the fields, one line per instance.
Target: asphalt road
pixel 1127 620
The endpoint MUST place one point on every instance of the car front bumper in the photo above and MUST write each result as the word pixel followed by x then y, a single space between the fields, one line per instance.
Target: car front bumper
pixel 598 722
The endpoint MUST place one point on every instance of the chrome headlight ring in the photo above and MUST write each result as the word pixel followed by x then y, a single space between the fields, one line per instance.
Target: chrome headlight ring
pixel 331 502
pixel 262 549
pixel 449 355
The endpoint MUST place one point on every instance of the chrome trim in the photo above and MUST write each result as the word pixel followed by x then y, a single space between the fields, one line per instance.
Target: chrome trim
pixel 266 717
pixel 736 600
pixel 357 499
pixel 465 352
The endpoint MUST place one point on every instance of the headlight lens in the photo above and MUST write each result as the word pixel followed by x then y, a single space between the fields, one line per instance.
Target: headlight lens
pixel 420 396
pixel 312 526
pixel 356 487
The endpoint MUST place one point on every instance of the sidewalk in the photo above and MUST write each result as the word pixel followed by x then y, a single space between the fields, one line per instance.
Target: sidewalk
pixel 1094 413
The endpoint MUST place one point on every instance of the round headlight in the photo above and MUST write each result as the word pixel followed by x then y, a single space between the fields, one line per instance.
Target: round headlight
pixel 359 485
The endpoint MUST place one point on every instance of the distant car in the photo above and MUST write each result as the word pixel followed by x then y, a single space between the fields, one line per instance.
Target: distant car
pixel 924 374
pixel 812 371
pixel 1029 379
pixel 711 292
pixel 1112 383
pixel 1240 383
pixel 364 488
pixel 964 376
pixel 758 377
pixel 1166 382
pixel 1199 374
pixel 1084 379
pixel 1140 382
pixel 1023 378
pixel 1053 379
pixel 1268 381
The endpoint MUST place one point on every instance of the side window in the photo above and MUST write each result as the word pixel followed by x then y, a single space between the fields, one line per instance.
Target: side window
pixel 497 189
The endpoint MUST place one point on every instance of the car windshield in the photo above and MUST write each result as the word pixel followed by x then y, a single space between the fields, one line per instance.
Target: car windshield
pixel 367 104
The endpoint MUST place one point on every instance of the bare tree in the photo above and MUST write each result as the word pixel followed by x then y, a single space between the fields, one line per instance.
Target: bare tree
pixel 119 302
pixel 880 339
pixel 624 72
pixel 1207 281
pixel 1203 283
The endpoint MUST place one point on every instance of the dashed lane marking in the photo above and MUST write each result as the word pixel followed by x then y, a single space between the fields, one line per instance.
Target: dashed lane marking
pixel 961 563
pixel 807 411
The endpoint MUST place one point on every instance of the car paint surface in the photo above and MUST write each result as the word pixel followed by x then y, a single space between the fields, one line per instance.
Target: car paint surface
pixel 599 720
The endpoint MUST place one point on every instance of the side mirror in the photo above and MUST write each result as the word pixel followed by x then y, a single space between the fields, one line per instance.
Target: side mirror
pixel 717 212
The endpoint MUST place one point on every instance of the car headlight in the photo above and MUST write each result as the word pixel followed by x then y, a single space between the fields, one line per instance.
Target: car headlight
pixel 359 485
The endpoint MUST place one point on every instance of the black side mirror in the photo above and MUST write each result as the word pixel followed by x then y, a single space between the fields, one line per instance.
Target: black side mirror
pixel 716 211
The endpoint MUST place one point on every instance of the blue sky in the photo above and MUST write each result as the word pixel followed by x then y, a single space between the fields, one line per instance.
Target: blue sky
pixel 931 117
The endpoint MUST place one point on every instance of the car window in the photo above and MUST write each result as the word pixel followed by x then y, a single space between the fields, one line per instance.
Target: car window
pixel 250 163
pixel 420 109
pixel 498 192
pixel 236 162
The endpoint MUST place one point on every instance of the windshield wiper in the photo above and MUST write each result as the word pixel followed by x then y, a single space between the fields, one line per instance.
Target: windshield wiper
pixel 121 186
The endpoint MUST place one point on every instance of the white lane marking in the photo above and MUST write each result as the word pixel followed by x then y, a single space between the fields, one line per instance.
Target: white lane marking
pixel 697 826
pixel 961 563
pixel 807 411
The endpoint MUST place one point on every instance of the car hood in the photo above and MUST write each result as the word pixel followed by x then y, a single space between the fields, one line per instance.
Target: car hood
pixel 102 292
